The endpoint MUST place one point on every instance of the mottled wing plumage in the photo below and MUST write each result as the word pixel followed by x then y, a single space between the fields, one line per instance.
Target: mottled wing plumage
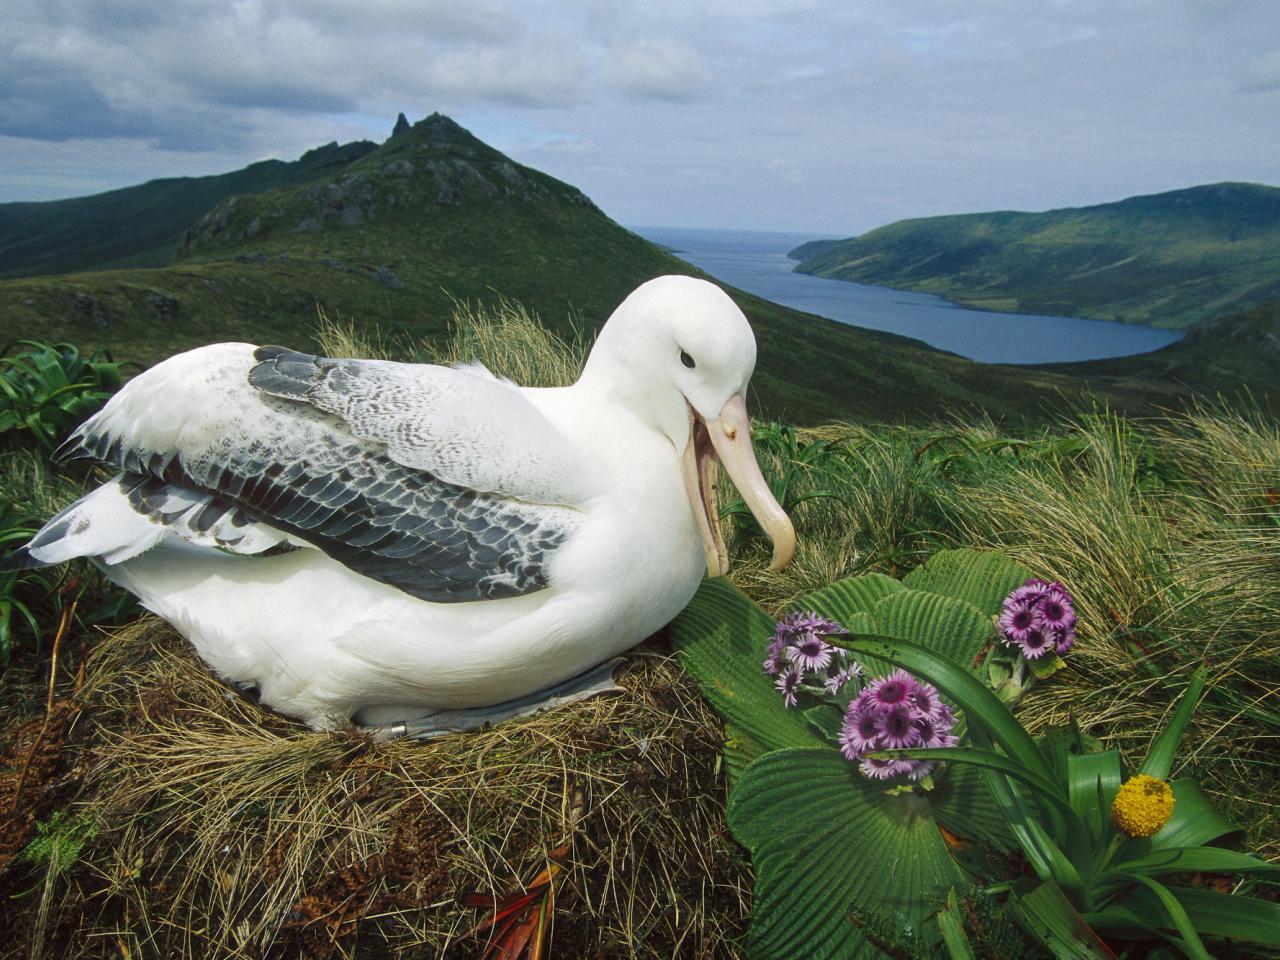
pixel 273 457
pixel 474 431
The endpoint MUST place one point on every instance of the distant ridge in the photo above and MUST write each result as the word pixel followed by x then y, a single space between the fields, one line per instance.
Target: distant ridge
pixel 1168 259
pixel 141 226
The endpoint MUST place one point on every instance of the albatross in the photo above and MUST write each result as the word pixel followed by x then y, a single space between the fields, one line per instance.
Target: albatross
pixel 371 541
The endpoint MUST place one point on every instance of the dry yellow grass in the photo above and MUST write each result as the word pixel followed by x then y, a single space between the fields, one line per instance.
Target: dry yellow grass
pixel 226 831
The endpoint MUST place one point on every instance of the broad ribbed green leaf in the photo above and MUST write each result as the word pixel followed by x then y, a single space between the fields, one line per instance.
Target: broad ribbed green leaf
pixel 828 844
pixel 953 628
pixel 978 577
pixel 846 597
pixel 721 638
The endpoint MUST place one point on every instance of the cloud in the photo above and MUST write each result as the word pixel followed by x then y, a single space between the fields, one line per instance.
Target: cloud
pixel 545 74
pixel 669 70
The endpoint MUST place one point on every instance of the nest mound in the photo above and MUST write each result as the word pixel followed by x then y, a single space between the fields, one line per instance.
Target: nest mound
pixel 198 824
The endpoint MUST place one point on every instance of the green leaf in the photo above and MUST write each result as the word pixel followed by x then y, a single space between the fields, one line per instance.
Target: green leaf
pixel 830 847
pixel 1093 779
pixel 1197 860
pixel 1194 821
pixel 845 598
pixel 1212 914
pixel 949 627
pixel 978 577
pixel 951 923
pixel 1159 759
pixel 1046 667
pixel 720 638
pixel 1177 914
pixel 1049 917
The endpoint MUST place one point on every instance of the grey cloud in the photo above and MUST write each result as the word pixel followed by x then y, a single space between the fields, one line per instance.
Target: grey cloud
pixel 657 69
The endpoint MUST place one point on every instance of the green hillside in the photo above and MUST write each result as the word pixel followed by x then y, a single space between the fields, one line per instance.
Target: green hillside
pixel 1169 260
pixel 395 236
pixel 1240 351
pixel 141 226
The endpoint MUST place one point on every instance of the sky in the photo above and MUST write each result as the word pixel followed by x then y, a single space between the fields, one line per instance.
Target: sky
pixel 828 117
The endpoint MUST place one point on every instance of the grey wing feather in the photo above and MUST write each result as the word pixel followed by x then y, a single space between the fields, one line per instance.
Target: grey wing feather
pixel 465 428
pixel 299 470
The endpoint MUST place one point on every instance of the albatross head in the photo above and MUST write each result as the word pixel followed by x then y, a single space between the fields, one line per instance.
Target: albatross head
pixel 680 353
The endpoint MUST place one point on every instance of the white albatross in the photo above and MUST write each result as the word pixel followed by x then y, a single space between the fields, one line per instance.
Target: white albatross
pixel 374 541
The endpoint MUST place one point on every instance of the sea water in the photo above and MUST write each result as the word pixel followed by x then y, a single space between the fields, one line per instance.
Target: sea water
pixel 757 262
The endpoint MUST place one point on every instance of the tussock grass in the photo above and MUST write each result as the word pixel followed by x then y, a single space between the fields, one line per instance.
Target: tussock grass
pixel 507 339
pixel 227 831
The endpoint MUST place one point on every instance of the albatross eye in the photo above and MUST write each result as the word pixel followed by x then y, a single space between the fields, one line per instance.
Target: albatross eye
pixel 687 360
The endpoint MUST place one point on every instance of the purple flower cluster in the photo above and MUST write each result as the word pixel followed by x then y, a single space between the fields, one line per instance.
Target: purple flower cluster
pixel 895 712
pixel 799 652
pixel 1038 618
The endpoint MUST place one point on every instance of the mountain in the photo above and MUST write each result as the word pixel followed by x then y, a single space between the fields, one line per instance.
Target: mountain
pixel 1169 260
pixel 141 226
pixel 395 235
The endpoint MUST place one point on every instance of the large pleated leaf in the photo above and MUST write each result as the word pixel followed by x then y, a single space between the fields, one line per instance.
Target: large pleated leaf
pixel 953 628
pixel 833 851
pixel 720 638
pixel 978 577
pixel 844 598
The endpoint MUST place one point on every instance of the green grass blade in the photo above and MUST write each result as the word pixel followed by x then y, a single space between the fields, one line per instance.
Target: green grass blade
pixel 1159 759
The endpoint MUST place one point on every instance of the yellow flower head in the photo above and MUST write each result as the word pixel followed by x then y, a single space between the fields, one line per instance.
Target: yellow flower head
pixel 1143 805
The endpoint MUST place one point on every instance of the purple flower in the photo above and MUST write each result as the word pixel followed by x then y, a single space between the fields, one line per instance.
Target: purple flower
pixel 1037 643
pixel 1038 618
pixel 893 689
pixel 880 769
pixel 897 729
pixel 810 652
pixel 1017 619
pixel 1032 591
pixel 788 685
pixel 919 770
pixel 858 733
pixel 924 698
pixel 773 656
pixel 1064 639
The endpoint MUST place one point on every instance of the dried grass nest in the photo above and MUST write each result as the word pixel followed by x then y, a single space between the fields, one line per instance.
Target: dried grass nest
pixel 219 829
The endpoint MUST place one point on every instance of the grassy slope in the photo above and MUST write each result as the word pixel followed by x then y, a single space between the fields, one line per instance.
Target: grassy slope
pixel 434 214
pixel 1238 352
pixel 1169 260
pixel 141 225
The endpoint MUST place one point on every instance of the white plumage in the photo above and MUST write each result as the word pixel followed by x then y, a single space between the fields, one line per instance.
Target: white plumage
pixel 373 540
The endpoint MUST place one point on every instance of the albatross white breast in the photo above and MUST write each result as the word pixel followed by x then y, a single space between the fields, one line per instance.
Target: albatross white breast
pixel 370 540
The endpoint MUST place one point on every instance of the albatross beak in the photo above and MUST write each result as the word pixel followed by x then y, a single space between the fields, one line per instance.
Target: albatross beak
pixel 729 436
